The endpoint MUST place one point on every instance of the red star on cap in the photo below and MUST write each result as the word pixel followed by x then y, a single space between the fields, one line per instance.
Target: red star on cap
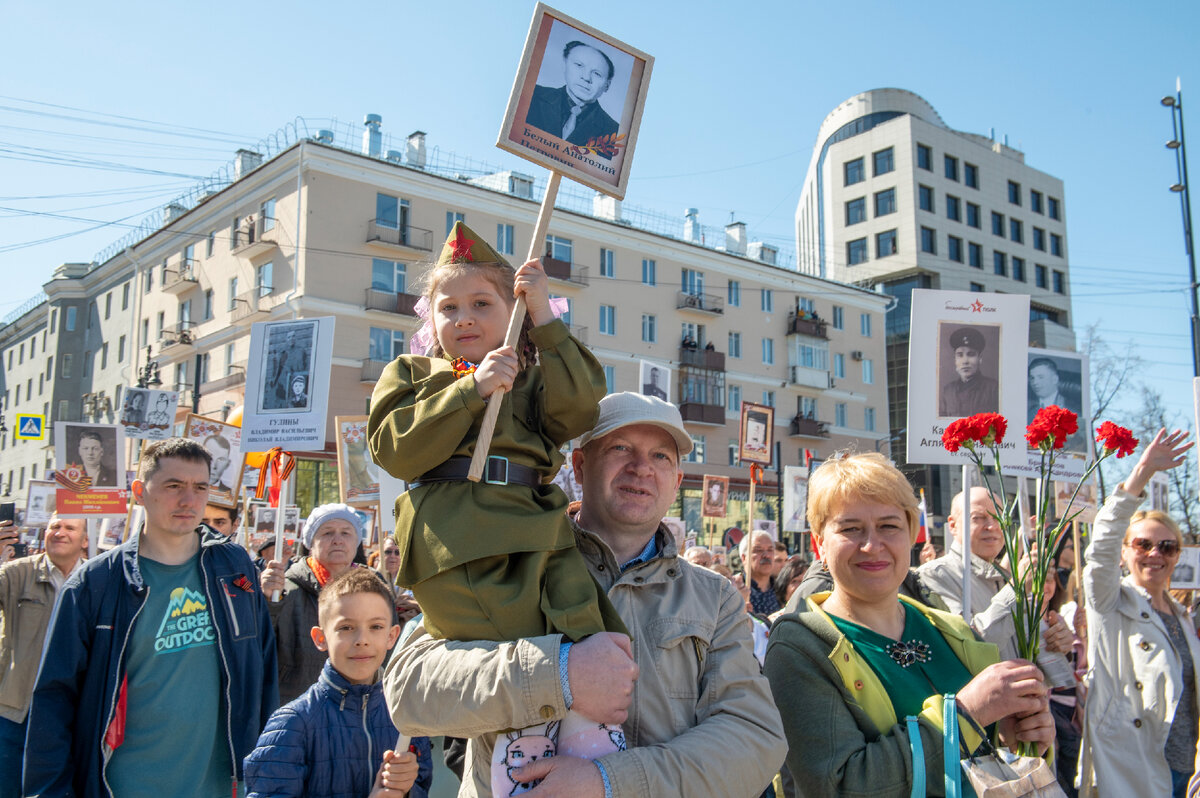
pixel 460 247
pixel 977 306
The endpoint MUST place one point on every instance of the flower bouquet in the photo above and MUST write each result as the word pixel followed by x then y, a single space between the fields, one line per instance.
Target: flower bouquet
pixel 1048 432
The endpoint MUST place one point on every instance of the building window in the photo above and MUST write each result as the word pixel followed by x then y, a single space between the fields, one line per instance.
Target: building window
pixel 71 317
pixel 388 276
pixel 392 212
pixel 839 365
pixel 1018 269
pixel 1016 230
pixel 977 288
pixel 385 345
pixel 734 394
pixel 610 379
pixel 974 255
pixel 768 398
pixel 66 362
pixel 451 218
pixel 121 349
pixel 735 344
pixel 267 212
pixel 107 305
pixel 1000 264
pixel 263 280
pixel 1060 282
pixel 768 351
pixel 649 328
pixel 1014 192
pixel 954 249
pixel 1040 276
pixel 997 224
pixel 1039 239
pixel 973 216
pixel 208 304
pixel 696 455
pixel 951 168
pixel 868 372
pixel 854 171
pixel 925 198
pixel 125 296
pixel 692 281
pixel 1035 201
pixel 650 273
pixel 839 414
pixel 885 243
pixel 928 240
pixel 559 248
pixel 148 281
pixel 856 211
pixel 733 294
pixel 864 324
pixel 924 158
pixel 885 202
pixel 953 208
pixel 856 251
pixel 1056 244
pixel 608 320
pixel 869 419
pixel 971 175
pixel 839 321
pixel 607 263
pixel 232 293
pixel 504 239
pixel 768 300
pixel 883 162
pixel 1052 208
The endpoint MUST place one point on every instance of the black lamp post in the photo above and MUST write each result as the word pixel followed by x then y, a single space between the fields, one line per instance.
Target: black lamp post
pixel 148 374
pixel 1179 146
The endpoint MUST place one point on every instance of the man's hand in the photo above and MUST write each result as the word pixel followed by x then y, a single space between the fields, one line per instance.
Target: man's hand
pixel 1037 727
pixel 563 776
pixel 601 671
pixel 407 608
pixel 8 536
pixel 1057 636
pixel 396 776
pixel 272 578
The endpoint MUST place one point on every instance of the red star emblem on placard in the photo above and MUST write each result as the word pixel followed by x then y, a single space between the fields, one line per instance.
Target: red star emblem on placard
pixel 977 306
pixel 460 247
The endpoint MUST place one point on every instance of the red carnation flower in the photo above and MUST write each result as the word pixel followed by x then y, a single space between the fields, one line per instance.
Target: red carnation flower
pixel 956 434
pixel 1116 438
pixel 982 428
pixel 989 427
pixel 1051 426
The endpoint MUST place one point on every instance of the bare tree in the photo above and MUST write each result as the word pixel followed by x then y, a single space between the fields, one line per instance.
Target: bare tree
pixel 1153 416
pixel 1115 381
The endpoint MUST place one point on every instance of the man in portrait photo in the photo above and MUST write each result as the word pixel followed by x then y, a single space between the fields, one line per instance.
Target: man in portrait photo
pixel 289 359
pixel 714 497
pixel 221 452
pixel 572 111
pixel 134 412
pixel 654 384
pixel 1047 388
pixel 160 416
pixel 92 455
pixel 971 391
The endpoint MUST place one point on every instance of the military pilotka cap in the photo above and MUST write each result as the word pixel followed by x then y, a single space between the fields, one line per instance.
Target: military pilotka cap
pixel 967 336
pixel 464 245
pixel 626 409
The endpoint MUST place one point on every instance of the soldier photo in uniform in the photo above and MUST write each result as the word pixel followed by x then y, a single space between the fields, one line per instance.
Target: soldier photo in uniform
pixel 288 359
pixel 967 354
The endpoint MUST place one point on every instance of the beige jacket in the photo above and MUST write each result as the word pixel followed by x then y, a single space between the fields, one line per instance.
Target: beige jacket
pixel 26 600
pixel 702 722
pixel 992 599
pixel 1134 677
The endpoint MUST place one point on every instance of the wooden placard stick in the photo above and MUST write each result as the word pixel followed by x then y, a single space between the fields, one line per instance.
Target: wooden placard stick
pixel 1078 563
pixel 488 427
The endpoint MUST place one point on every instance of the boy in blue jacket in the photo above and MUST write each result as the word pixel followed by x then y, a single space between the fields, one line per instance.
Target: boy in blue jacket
pixel 335 741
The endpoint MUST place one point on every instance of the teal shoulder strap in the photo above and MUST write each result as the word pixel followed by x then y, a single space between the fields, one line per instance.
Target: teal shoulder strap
pixel 918 757
pixel 950 747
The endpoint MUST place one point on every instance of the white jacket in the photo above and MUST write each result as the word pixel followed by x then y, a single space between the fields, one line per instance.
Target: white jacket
pixel 1134 677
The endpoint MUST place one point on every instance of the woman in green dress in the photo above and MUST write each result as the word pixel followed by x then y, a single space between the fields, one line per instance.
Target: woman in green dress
pixel 855 662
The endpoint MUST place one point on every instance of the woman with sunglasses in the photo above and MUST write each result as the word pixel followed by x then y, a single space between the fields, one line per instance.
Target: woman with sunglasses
pixel 1140 729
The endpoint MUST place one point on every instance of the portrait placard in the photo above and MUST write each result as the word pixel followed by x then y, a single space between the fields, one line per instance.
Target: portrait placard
pixel 148 414
pixel 756 433
pixel 795 498
pixel 39 502
pixel 978 343
pixel 655 380
pixel 576 102
pixel 358 476
pixel 716 494
pixel 1086 503
pixel 1186 575
pixel 678 530
pixel 89 469
pixel 390 489
pixel 287 384
pixel 1160 492
pixel 1057 378
pixel 223 442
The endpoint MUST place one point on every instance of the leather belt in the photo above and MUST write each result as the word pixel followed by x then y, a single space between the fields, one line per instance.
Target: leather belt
pixel 498 471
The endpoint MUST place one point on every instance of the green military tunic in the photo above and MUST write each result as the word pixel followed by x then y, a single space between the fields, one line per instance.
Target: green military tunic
pixel 491 562
pixel 961 399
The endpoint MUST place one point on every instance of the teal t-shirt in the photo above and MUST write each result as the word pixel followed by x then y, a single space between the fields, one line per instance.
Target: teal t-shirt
pixel 175 741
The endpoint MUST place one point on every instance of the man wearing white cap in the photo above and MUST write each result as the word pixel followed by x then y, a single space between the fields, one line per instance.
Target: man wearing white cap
pixel 697 714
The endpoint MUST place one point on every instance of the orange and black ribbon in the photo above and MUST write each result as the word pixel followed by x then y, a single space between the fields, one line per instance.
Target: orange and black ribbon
pixel 274 464
pixel 756 473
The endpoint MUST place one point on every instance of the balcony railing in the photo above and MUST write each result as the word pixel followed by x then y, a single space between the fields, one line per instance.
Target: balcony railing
pixel 372 370
pixel 235 377
pixel 807 427
pixel 709 303
pixel 806 324
pixel 403 236
pixel 565 270
pixel 703 414
pixel 251 239
pixel 392 302
pixel 253 305
pixel 181 278
pixel 181 334
pixel 702 358
pixel 810 377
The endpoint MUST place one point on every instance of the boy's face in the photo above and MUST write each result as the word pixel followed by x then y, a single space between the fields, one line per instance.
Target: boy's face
pixel 357 631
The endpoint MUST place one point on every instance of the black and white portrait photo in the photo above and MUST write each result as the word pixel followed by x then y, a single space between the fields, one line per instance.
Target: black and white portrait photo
pixel 288 373
pixel 148 414
pixel 288 362
pixel 570 97
pixel 1060 379
pixel 655 381
pixel 223 443
pixel 93 449
pixel 968 364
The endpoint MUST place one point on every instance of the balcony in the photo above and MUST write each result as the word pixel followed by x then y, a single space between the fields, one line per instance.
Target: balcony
pixel 810 377
pixel 407 236
pixel 181 278
pixel 251 306
pixel 707 303
pixel 391 302
pixel 251 240
pixel 806 323
pixel 702 358
pixel 180 334
pixel 565 271
pixel 806 427
pixel 372 370
pixel 235 377
pixel 703 414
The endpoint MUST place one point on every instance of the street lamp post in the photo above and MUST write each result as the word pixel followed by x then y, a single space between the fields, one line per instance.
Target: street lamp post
pixel 1179 146
pixel 148 374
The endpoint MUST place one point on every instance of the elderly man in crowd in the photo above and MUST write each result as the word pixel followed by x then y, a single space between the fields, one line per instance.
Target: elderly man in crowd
pixel 758 564
pixel 28 586
pixel 698 714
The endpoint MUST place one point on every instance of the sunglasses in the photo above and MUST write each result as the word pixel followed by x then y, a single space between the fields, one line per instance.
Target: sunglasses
pixel 1167 548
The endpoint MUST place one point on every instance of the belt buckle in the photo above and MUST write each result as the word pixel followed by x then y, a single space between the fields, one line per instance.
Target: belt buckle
pixel 487 474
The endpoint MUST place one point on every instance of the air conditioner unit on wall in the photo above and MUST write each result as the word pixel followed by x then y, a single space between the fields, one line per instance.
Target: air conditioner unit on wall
pixel 856 354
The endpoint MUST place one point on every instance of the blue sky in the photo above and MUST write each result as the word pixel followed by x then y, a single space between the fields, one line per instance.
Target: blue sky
pixel 737 94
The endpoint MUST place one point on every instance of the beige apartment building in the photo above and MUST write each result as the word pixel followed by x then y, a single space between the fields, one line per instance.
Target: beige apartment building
pixel 326 228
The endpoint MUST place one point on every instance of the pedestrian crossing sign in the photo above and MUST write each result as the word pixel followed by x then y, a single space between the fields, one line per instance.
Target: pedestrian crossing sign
pixel 31 427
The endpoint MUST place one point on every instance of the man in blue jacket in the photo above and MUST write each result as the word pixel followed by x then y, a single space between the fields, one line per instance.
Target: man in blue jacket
pixel 159 670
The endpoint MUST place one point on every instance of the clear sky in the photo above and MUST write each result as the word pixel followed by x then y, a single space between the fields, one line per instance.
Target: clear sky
pixel 737 94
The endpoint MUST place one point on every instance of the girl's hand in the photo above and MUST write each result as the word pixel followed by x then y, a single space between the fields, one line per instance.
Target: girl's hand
pixel 531 281
pixel 1163 453
pixel 497 371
